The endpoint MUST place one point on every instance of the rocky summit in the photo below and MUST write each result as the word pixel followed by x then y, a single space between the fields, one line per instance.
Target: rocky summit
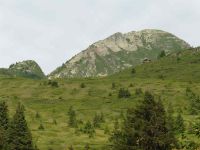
pixel 119 51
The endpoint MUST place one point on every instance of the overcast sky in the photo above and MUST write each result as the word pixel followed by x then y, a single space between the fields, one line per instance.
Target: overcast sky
pixel 52 31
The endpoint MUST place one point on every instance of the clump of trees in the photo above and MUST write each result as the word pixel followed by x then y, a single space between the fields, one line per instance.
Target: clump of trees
pixel 53 83
pixel 14 133
pixel 145 127
pixel 124 93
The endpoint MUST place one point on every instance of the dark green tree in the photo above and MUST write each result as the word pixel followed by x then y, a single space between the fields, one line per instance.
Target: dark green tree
pixel 72 117
pixel 179 124
pixel 144 128
pixel 20 137
pixel 3 139
pixel 4 124
pixel 133 71
pixel 96 121
pixel 71 148
pixel 82 85
pixel 113 85
pixel 162 54
pixel 89 129
pixel 124 93
pixel 87 147
pixel 4 120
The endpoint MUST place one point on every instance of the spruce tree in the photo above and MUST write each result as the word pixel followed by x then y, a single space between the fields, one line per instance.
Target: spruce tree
pixel 20 137
pixel 144 128
pixel 3 141
pixel 179 124
pixel 4 116
pixel 72 117
pixel 96 121
pixel 4 124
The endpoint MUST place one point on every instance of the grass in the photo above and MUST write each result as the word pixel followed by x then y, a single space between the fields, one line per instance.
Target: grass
pixel 52 103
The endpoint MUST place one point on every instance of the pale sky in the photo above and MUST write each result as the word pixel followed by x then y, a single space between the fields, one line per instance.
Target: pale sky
pixel 52 31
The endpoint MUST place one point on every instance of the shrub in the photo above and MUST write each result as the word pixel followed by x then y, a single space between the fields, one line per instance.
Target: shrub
pixel 133 71
pixel 162 54
pixel 124 93
pixel 41 127
pixel 82 85
pixel 138 91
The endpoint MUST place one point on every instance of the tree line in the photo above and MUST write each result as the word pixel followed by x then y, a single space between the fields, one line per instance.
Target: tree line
pixel 14 132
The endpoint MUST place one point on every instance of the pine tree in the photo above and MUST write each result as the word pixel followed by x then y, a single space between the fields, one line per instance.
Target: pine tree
pixel 72 117
pixel 96 121
pixel 4 116
pixel 20 137
pixel 71 148
pixel 144 128
pixel 3 141
pixel 162 54
pixel 124 93
pixel 179 124
pixel 4 124
pixel 87 147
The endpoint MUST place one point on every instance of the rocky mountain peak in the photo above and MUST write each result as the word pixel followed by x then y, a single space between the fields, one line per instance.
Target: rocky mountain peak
pixel 118 52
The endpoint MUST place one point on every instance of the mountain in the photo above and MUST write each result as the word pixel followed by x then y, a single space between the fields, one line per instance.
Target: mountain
pixel 174 79
pixel 27 69
pixel 118 52
pixel 179 66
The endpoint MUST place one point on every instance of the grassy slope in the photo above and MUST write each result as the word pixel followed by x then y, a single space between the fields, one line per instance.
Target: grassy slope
pixel 167 77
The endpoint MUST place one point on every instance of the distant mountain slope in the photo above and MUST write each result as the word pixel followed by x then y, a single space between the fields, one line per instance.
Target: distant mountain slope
pixel 118 52
pixel 28 69
pixel 178 66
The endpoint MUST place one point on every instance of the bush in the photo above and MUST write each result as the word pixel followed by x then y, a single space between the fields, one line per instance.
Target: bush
pixel 37 115
pixel 82 85
pixel 41 127
pixel 133 71
pixel 53 83
pixel 113 85
pixel 138 91
pixel 89 129
pixel 162 54
pixel 124 93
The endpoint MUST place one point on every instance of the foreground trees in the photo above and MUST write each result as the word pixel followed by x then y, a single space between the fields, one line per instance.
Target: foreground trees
pixel 14 134
pixel 144 128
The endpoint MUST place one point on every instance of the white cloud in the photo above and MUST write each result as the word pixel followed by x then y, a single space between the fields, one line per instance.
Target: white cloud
pixel 51 32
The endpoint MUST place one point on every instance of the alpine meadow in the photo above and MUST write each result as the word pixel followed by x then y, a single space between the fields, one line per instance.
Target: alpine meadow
pixel 136 90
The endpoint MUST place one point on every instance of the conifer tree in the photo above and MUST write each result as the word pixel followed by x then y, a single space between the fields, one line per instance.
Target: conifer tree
pixel 20 137
pixel 144 128
pixel 3 139
pixel 96 121
pixel 87 147
pixel 4 124
pixel 179 124
pixel 162 54
pixel 71 148
pixel 72 117
pixel 4 116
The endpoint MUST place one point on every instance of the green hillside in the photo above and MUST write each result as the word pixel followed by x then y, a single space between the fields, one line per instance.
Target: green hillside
pixel 47 102
pixel 26 69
